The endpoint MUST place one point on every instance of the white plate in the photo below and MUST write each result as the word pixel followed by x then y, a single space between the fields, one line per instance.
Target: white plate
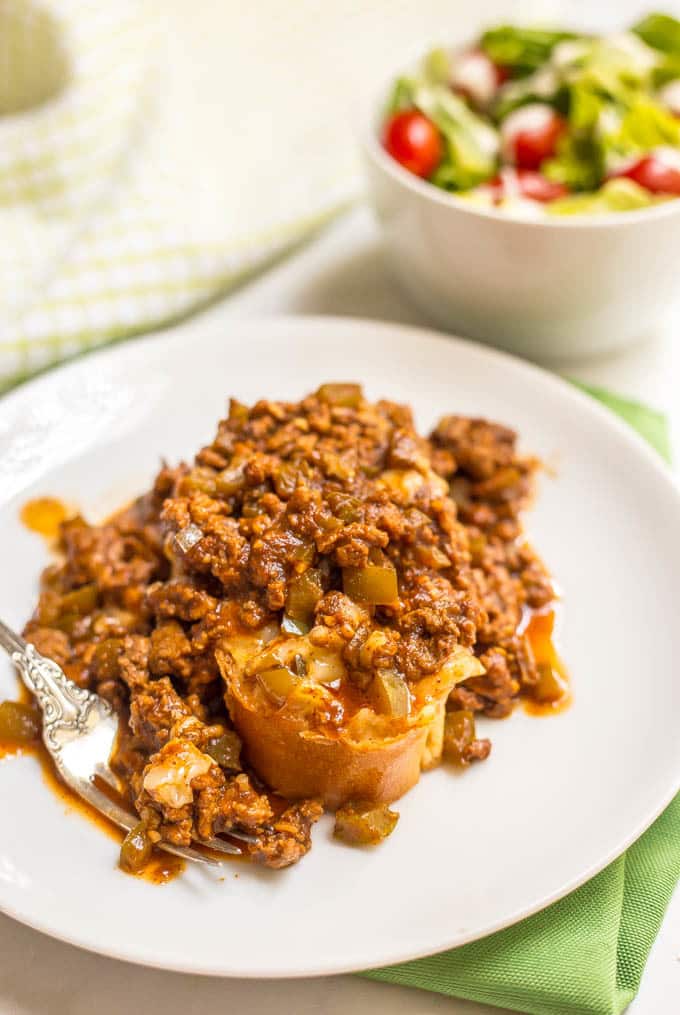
pixel 559 797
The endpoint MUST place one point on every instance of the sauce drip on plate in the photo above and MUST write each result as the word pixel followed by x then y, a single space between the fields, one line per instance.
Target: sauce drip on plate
pixel 44 515
pixel 552 692
pixel 161 868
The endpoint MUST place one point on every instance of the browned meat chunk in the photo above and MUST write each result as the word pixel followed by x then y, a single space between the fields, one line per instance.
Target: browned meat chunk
pixel 289 837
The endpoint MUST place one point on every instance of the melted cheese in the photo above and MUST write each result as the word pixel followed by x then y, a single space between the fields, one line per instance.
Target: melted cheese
pixel 168 780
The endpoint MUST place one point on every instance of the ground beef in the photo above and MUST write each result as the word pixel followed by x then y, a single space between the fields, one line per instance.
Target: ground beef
pixel 492 484
pixel 217 548
pixel 289 838
pixel 218 804
pixel 52 643
pixel 155 708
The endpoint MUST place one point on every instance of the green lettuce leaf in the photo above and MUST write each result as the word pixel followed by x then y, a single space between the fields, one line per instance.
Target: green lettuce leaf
pixel 578 164
pixel 471 143
pixel 535 88
pixel 586 106
pixel 437 67
pixel 668 69
pixel 610 71
pixel 401 97
pixel 645 125
pixel 615 195
pixel 660 31
pixel 521 50
pixel 453 176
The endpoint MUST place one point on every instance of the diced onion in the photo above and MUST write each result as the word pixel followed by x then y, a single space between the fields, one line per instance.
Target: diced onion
pixel 188 537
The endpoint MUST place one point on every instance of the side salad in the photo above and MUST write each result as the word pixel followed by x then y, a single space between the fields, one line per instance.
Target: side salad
pixel 538 122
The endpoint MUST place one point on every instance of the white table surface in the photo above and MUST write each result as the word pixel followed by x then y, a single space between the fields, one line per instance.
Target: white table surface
pixel 342 272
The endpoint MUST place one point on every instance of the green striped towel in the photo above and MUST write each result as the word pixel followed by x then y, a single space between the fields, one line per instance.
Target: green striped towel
pixel 103 235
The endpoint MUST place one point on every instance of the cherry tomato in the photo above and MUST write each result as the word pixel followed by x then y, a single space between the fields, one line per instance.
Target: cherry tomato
pixel 529 135
pixel 654 174
pixel 525 183
pixel 502 74
pixel 413 140
pixel 477 77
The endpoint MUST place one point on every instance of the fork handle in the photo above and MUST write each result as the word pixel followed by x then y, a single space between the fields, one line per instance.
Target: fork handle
pixel 10 641
pixel 67 708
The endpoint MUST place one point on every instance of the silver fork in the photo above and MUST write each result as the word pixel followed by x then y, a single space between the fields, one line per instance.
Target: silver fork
pixel 79 731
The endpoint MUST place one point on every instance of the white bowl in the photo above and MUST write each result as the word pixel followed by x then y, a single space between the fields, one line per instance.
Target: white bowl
pixel 550 289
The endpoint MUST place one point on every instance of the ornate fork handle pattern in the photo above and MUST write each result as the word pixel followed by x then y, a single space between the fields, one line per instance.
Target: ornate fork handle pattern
pixel 79 731
pixel 68 710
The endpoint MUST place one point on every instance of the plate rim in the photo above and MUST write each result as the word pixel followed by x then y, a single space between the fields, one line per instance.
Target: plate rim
pixel 214 318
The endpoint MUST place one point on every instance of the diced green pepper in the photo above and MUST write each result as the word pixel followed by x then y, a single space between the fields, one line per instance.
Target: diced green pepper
pixel 135 851
pixel 348 509
pixel 348 396
pixel 229 481
pixel 286 479
pixel 361 824
pixel 296 627
pixel 80 601
pixel 373 584
pixel 304 592
pixel 19 723
pixel 201 479
pixel 226 751
pixel 278 682
pixel 390 694
pixel 459 733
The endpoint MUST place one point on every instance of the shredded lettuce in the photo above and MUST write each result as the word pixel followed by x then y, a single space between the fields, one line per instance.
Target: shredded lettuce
pixel 644 126
pixel 598 69
pixel 668 69
pixel 543 86
pixel 605 87
pixel 471 144
pixel 521 50
pixel 578 164
pixel 615 195
pixel 610 111
pixel 586 106
pixel 437 67
pixel 401 96
pixel 615 69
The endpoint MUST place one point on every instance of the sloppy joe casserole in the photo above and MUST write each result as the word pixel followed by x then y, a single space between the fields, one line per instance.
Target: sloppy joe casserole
pixel 306 617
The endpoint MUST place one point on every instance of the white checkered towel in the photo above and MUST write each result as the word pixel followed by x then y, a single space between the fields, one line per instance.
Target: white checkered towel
pixel 99 239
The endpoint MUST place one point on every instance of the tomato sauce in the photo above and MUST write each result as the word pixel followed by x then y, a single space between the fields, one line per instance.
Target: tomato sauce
pixel 539 631
pixel 44 515
pixel 161 868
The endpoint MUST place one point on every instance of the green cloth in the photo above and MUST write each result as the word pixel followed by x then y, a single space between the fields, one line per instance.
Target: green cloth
pixel 586 953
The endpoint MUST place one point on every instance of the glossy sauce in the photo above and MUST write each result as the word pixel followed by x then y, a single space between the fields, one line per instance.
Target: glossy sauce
pixel 44 515
pixel 539 631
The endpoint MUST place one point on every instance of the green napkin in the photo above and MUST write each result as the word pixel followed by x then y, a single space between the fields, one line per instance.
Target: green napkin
pixel 586 953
